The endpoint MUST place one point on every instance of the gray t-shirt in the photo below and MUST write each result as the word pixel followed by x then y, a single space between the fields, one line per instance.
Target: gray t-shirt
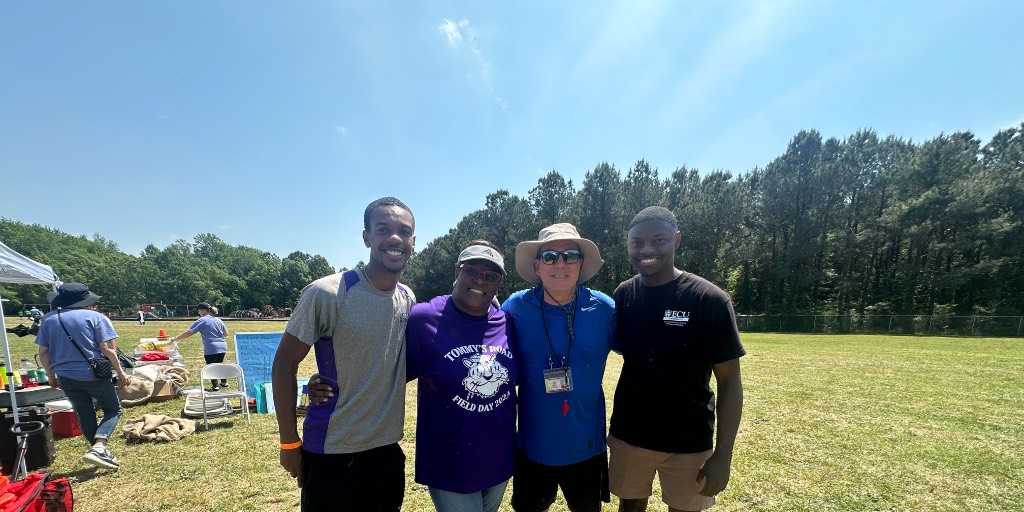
pixel 358 335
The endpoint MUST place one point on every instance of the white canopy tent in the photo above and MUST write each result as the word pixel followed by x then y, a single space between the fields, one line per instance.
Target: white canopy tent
pixel 15 268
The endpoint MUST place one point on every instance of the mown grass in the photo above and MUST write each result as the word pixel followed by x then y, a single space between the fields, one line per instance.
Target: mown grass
pixel 844 423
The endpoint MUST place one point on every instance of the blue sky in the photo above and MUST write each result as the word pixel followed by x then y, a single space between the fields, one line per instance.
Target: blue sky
pixel 273 124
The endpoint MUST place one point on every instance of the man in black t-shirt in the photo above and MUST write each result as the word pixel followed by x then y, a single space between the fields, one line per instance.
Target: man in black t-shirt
pixel 675 330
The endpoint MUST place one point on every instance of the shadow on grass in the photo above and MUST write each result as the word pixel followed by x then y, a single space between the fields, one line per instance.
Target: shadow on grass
pixel 219 423
pixel 87 473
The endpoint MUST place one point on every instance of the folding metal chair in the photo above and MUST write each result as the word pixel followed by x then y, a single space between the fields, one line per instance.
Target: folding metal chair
pixel 221 371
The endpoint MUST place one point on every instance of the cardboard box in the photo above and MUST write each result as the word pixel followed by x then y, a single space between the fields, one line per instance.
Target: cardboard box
pixel 162 391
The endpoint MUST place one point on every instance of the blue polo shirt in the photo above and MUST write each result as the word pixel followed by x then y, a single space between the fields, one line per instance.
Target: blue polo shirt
pixel 546 434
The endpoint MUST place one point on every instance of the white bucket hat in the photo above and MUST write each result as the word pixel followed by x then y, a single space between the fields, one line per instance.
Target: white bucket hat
pixel 526 252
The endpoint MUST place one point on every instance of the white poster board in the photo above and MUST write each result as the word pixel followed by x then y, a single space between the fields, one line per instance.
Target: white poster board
pixel 255 352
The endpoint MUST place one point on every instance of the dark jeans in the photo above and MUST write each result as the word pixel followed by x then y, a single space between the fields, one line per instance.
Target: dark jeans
pixel 81 393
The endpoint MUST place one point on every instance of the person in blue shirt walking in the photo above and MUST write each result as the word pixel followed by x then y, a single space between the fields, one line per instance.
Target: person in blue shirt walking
pixel 214 334
pixel 76 322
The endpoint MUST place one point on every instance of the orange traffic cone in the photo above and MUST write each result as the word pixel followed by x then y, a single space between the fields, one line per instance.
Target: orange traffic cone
pixel 162 334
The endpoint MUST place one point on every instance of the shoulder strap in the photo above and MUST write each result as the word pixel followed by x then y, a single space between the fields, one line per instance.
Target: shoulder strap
pixel 351 278
pixel 72 340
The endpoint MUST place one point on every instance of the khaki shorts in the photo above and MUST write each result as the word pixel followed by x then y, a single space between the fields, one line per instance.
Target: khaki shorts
pixel 631 474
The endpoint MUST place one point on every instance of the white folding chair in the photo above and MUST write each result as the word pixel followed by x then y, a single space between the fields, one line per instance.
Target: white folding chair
pixel 219 371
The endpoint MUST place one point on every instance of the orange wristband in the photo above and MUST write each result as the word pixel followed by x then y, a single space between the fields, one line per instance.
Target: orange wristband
pixel 291 446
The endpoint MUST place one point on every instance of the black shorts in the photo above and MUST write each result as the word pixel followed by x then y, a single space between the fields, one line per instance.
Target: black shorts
pixel 214 358
pixel 584 484
pixel 369 480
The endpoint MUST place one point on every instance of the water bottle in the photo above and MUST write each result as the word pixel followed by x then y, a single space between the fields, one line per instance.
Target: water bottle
pixel 28 370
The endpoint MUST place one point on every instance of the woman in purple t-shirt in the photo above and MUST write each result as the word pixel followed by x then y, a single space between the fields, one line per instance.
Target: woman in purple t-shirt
pixel 457 348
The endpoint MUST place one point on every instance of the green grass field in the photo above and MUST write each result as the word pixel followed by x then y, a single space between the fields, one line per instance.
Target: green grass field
pixel 843 423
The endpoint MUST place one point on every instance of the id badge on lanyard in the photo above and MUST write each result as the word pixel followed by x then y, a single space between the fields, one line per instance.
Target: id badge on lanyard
pixel 558 380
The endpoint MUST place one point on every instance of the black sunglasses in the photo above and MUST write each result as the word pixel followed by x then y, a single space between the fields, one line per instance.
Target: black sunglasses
pixel 569 256
pixel 472 272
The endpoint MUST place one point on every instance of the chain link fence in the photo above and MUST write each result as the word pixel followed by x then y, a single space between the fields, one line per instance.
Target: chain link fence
pixel 936 325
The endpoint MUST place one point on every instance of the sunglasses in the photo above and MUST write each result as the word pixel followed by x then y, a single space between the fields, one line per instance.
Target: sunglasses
pixel 489 276
pixel 569 256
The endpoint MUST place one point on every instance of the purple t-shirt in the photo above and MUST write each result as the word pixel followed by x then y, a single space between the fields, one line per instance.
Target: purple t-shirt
pixel 466 396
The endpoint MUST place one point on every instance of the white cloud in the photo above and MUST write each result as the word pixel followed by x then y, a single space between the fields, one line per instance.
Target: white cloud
pixel 450 29
pixel 341 129
pixel 453 33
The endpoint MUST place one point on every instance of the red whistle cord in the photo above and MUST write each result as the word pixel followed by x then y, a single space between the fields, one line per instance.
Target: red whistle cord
pixel 565 408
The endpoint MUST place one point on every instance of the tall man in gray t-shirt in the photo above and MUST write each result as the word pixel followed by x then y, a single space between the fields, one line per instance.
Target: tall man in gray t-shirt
pixel 348 457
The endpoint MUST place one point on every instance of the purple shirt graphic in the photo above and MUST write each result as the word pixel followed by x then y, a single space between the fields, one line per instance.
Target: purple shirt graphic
pixel 466 396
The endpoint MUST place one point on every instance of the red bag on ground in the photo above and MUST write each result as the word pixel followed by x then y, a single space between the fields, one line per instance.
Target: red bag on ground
pixel 37 492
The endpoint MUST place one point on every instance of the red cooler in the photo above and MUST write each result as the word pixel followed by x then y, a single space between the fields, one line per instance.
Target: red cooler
pixel 63 420
pixel 65 424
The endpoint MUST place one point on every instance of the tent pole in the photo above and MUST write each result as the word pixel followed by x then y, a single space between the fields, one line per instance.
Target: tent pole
pixel 10 389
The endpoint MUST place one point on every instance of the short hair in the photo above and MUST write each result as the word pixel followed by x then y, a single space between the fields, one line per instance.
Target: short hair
pixel 381 203
pixel 655 213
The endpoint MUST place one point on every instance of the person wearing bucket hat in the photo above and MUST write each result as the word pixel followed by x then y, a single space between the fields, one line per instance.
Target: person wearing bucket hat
pixel 66 367
pixel 563 333
pixel 458 351
pixel 675 330
pixel 214 334
pixel 349 457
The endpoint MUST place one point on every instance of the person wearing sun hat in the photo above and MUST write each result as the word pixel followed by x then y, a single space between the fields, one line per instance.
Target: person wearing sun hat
pixel 66 367
pixel 214 334
pixel 562 332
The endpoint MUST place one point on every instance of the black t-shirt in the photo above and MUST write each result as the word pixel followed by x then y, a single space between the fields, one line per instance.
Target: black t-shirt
pixel 669 337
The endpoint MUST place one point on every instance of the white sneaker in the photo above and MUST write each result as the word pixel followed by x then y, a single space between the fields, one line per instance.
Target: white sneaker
pixel 101 457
